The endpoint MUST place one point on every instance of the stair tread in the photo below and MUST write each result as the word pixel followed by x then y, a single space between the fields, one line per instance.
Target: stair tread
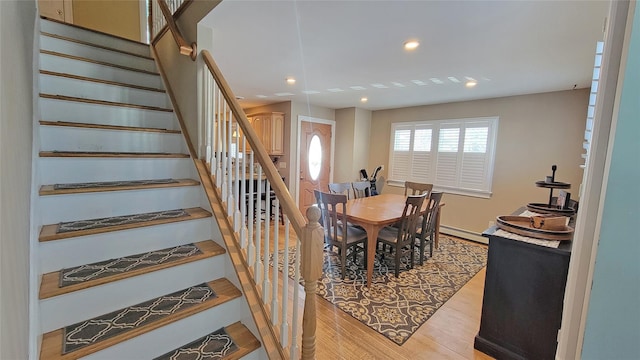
pixel 111 154
pixel 242 343
pixel 114 186
pixel 125 267
pixel 80 58
pixel 101 81
pixel 53 342
pixel 107 127
pixel 50 232
pixel 82 42
pixel 103 102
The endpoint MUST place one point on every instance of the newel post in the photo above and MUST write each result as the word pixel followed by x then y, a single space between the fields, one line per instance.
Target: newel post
pixel 312 242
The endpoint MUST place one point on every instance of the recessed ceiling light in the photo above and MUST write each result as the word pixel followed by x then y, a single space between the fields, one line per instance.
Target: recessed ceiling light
pixel 357 87
pixel 291 81
pixel 471 83
pixel 453 79
pixel 411 44
pixel 363 99
pixel 284 94
pixel 379 86
pixel 436 81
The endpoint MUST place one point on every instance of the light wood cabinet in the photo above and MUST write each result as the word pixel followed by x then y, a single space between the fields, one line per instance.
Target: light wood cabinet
pixel 270 130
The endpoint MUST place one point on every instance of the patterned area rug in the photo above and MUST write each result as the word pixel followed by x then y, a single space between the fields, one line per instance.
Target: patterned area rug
pixel 103 184
pixel 397 307
pixel 103 327
pixel 216 345
pixel 119 220
pixel 129 263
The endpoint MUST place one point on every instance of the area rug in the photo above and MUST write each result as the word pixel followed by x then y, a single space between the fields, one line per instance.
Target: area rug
pixel 397 307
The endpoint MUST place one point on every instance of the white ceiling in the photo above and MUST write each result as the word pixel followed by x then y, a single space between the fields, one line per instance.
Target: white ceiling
pixel 509 47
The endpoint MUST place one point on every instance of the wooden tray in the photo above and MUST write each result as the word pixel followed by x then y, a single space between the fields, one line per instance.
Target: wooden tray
pixel 521 225
pixel 549 209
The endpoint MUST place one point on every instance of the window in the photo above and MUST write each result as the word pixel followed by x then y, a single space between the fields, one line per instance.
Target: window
pixel 455 155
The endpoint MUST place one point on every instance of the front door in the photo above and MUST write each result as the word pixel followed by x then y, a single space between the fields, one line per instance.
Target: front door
pixel 315 161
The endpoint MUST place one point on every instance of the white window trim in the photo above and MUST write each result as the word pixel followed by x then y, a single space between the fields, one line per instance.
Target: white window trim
pixel 435 124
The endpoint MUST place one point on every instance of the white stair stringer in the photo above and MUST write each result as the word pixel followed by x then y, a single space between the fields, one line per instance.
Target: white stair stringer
pixel 86 88
pixel 56 63
pixel 53 255
pixel 96 53
pixel 87 35
pixel 64 138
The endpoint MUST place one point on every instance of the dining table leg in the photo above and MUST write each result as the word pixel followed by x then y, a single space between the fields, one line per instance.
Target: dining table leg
pixel 372 240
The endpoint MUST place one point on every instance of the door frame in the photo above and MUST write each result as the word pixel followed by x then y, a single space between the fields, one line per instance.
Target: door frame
pixel 302 118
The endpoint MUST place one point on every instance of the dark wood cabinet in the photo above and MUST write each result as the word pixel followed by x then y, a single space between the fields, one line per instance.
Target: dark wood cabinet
pixel 523 296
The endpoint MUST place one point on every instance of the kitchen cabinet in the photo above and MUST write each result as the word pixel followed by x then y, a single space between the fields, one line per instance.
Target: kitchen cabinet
pixel 270 130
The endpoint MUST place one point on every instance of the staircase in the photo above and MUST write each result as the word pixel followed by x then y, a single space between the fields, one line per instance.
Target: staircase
pixel 131 259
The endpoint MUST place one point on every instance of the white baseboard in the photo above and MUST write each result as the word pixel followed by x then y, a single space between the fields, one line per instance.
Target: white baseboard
pixel 464 234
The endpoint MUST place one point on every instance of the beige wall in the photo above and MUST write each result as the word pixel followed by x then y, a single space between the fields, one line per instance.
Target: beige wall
pixel 17 20
pixel 353 128
pixel 535 132
pixel 121 18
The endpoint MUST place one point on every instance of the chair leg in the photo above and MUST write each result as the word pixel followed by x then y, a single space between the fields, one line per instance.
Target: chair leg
pixel 397 261
pixel 422 240
pixel 343 258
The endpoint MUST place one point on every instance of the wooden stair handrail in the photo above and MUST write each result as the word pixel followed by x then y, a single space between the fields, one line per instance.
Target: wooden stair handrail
pixel 286 201
pixel 183 46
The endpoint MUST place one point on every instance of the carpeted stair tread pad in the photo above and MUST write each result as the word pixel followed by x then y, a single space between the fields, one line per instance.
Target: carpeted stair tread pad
pixel 113 184
pixel 119 220
pixel 216 345
pixel 121 265
pixel 103 327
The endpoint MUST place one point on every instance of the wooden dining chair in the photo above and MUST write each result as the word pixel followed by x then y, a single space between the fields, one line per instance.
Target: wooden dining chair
pixel 361 189
pixel 336 230
pixel 415 188
pixel 428 226
pixel 341 188
pixel 402 238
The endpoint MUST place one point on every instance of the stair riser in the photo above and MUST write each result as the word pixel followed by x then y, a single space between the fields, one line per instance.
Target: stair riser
pixel 103 72
pixel 72 111
pixel 115 203
pixel 62 138
pixel 66 253
pixel 73 170
pixel 80 305
pixel 60 85
pixel 93 37
pixel 94 53
pixel 174 335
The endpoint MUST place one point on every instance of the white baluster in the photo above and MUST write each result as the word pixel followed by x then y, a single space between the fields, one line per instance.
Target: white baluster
pixel 296 298
pixel 243 196
pixel 218 143
pixel 274 272
pixel 207 119
pixel 224 148
pixel 266 294
pixel 230 203
pixel 258 267
pixel 239 180
pixel 284 325
pixel 251 222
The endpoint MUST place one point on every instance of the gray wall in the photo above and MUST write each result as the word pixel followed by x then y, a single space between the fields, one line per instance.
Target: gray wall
pixel 17 19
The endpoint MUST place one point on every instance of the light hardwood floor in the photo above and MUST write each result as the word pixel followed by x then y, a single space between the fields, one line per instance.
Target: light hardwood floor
pixel 448 334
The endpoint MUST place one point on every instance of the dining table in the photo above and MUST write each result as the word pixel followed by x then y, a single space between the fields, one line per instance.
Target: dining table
pixel 375 212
